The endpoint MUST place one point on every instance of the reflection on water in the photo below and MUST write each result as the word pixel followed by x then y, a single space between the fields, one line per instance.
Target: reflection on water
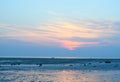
pixel 59 76
pixel 76 76
pixel 66 76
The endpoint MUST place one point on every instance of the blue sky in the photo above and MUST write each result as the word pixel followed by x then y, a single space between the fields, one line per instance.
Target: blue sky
pixel 60 28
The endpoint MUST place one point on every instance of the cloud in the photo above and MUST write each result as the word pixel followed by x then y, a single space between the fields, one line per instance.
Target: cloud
pixel 71 45
pixel 64 33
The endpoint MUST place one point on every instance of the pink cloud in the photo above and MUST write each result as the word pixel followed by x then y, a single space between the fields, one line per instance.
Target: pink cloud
pixel 62 34
pixel 71 45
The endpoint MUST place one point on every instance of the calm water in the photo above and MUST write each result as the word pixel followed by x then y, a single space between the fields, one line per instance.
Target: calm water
pixel 59 75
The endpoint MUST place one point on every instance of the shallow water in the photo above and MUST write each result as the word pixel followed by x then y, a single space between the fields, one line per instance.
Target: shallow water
pixel 65 75
pixel 59 70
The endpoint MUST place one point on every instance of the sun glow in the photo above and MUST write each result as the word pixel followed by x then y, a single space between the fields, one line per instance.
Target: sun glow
pixel 65 34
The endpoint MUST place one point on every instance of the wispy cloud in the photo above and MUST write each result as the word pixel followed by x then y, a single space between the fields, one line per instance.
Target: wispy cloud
pixel 63 33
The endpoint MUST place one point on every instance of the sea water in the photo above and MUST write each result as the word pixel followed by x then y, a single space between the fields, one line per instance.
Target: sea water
pixel 87 71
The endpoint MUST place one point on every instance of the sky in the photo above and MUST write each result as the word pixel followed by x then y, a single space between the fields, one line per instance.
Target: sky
pixel 60 28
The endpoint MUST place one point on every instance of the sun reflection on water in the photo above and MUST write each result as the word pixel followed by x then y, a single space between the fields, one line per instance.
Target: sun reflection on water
pixel 66 76
pixel 59 76
pixel 74 76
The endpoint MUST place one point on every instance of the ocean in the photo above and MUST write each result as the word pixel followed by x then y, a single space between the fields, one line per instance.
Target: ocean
pixel 59 70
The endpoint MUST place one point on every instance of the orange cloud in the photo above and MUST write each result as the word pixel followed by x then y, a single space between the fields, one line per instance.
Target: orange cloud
pixel 62 34
pixel 70 30
pixel 71 45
